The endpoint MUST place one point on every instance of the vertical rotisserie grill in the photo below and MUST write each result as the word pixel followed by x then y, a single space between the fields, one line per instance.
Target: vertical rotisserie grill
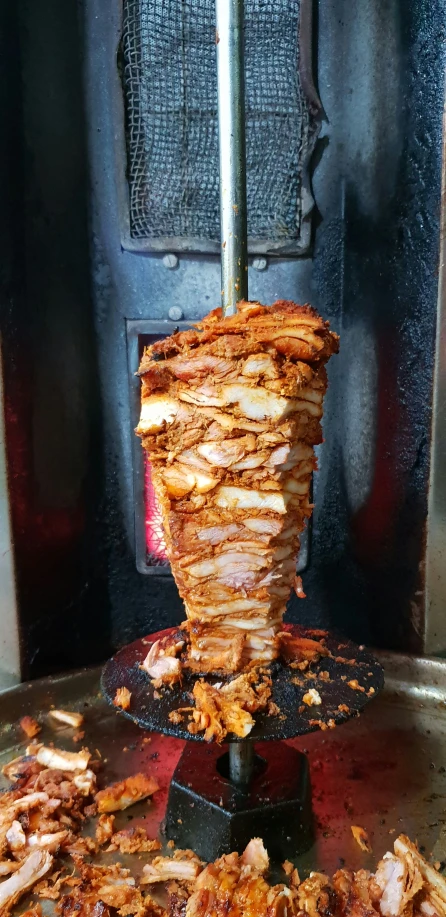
pixel 67 361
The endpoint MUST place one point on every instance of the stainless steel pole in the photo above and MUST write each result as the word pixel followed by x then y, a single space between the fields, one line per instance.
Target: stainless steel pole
pixel 241 762
pixel 231 130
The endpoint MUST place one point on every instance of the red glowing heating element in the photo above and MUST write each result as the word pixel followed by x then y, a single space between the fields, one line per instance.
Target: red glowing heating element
pixel 155 544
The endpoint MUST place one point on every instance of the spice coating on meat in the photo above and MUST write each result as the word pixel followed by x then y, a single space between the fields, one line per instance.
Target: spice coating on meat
pixel 230 413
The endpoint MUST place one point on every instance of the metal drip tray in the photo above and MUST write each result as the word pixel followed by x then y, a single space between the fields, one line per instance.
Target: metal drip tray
pixel 385 771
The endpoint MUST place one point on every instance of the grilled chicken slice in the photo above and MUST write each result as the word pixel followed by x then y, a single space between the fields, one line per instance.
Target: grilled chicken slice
pixel 230 414
pixel 68 717
pixel 121 795
pixel 63 760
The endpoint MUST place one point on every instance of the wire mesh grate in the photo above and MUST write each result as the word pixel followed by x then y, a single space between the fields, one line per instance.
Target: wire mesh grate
pixel 170 88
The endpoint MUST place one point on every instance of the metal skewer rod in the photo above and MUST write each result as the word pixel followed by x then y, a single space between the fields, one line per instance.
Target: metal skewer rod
pixel 231 131
pixel 241 762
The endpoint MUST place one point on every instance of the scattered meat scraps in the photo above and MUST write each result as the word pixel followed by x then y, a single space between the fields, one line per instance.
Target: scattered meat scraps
pixel 404 884
pixel 230 414
pixel 133 840
pixel 41 818
pixel 44 802
pixel 100 889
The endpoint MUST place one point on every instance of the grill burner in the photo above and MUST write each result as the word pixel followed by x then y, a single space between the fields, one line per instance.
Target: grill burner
pixel 215 801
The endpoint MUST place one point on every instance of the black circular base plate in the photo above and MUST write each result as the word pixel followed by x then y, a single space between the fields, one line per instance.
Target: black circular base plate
pixel 348 663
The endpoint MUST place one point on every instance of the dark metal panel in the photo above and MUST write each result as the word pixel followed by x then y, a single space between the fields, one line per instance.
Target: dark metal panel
pixel 376 265
pixel 435 593
pixel 51 387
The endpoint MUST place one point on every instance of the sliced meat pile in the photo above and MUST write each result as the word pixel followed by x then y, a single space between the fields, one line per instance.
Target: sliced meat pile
pixel 230 413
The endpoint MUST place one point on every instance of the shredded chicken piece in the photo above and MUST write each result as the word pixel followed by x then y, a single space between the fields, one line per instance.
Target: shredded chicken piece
pixel 255 855
pixel 8 866
pixel 51 841
pixel 230 415
pixel 50 887
pixel 361 837
pixel 298 588
pixel 184 866
pixel 122 698
pixel 177 897
pixel 36 865
pixel 16 836
pixel 227 708
pixel 104 829
pixel 125 793
pixel 299 649
pixel 16 807
pixel 399 877
pixel 160 665
pixel 30 726
pixel 69 717
pixel 85 782
pixel 405 850
pixel 312 698
pixel 63 760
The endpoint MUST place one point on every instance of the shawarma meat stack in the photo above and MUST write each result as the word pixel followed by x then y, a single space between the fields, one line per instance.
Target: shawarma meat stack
pixel 230 414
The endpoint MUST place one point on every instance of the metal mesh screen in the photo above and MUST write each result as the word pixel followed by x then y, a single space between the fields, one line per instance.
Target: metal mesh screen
pixel 170 87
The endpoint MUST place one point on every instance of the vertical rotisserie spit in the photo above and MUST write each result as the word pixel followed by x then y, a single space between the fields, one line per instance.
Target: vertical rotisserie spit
pixel 231 411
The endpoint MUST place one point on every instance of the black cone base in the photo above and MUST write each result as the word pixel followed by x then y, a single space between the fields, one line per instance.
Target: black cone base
pixel 211 815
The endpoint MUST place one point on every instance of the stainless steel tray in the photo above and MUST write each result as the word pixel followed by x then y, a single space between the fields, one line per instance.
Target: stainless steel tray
pixel 385 771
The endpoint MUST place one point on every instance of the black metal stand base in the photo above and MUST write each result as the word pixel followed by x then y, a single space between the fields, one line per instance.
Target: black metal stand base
pixel 213 815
